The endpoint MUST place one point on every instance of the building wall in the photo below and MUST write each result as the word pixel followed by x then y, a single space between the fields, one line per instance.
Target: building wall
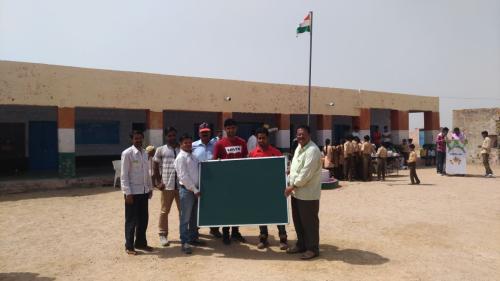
pixel 473 122
pixel 185 121
pixel 51 85
pixel 381 118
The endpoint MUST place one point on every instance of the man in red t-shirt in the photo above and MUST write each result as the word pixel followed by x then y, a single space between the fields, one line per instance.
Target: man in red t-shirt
pixel 264 149
pixel 230 147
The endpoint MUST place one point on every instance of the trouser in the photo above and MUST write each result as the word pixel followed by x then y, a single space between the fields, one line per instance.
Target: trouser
pixel 235 230
pixel 281 231
pixel 306 222
pixel 413 172
pixel 367 171
pixel 167 199
pixel 188 214
pixel 136 221
pixel 381 164
pixel 348 168
pixel 486 163
pixel 356 166
pixel 337 172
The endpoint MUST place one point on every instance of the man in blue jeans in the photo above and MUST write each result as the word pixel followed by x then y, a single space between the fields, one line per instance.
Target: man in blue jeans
pixel 186 166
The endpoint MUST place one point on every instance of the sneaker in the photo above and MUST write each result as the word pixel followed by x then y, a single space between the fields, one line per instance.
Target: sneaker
pixel 295 250
pixel 131 252
pixel 215 233
pixel 262 245
pixel 283 242
pixel 186 249
pixel 164 241
pixel 489 175
pixel 309 255
pixel 237 236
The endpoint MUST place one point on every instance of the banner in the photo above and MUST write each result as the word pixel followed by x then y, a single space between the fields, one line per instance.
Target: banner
pixel 456 158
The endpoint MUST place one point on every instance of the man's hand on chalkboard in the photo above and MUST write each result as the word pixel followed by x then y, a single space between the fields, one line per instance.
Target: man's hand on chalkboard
pixel 289 190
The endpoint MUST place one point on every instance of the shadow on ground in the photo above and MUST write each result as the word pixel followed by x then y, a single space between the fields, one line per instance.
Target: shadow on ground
pixel 24 276
pixel 216 249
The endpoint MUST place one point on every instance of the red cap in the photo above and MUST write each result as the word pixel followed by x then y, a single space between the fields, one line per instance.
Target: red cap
pixel 204 127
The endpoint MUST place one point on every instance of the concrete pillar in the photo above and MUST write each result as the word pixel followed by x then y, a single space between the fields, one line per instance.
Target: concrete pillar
pixel 283 134
pixel 221 117
pixel 66 141
pixel 154 128
pixel 324 129
pixel 399 126
pixel 363 121
pixel 431 126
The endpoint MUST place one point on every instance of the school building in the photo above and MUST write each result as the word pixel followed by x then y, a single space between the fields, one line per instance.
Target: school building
pixel 64 118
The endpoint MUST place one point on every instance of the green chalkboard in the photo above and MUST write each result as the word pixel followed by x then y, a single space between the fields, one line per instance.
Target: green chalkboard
pixel 242 192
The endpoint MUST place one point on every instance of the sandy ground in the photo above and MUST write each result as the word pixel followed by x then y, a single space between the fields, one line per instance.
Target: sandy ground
pixel 448 228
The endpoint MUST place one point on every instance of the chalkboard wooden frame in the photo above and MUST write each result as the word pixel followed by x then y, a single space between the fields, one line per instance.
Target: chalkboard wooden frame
pixel 217 207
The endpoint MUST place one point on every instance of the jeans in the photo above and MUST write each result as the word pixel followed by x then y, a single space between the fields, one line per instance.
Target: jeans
pixel 440 162
pixel 189 211
pixel 136 221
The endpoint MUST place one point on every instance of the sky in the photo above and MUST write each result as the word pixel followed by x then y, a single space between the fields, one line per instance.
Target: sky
pixel 444 48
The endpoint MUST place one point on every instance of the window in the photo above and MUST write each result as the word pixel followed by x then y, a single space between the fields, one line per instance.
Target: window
pixel 97 132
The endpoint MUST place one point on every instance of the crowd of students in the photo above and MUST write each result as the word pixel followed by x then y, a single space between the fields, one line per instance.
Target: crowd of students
pixel 173 170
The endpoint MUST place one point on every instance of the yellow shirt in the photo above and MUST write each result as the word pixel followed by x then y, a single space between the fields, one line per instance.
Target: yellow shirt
pixel 486 147
pixel 355 147
pixel 382 152
pixel 367 148
pixel 347 149
pixel 413 157
pixel 305 172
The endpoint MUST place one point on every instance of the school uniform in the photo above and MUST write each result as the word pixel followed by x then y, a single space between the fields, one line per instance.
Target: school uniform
pixel 348 161
pixel 366 150
pixel 381 162
pixel 485 154
pixel 412 164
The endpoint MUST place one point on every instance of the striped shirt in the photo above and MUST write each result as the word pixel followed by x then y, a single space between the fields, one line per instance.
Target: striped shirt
pixel 165 156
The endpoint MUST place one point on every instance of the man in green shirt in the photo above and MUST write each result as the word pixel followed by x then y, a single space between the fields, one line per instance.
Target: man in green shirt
pixel 305 187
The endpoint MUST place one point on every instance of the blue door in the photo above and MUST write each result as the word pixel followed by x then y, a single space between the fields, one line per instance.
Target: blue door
pixel 43 145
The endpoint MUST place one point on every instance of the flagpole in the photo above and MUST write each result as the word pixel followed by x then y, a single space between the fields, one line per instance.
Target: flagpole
pixel 310 61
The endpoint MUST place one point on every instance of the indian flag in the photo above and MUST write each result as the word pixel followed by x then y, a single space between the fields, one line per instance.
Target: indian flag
pixel 305 25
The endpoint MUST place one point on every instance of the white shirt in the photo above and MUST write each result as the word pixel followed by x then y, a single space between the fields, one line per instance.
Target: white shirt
pixel 251 143
pixel 165 156
pixel 135 178
pixel 186 166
